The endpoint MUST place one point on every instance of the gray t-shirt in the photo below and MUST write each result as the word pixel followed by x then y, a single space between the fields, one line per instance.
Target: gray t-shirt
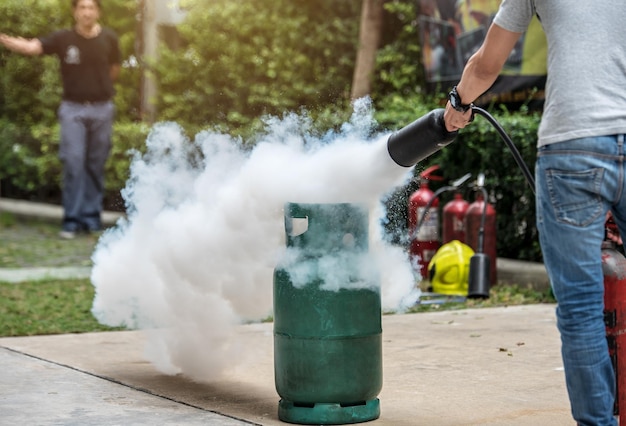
pixel 586 85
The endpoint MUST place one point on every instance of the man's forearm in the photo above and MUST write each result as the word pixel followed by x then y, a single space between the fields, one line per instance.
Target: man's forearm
pixel 30 47
pixel 485 65
pixel 474 81
pixel 480 73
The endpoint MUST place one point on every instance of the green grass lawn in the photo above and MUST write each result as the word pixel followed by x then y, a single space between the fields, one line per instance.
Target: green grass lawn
pixel 44 307
pixel 47 307
pixel 500 295
pixel 64 306
pixel 26 242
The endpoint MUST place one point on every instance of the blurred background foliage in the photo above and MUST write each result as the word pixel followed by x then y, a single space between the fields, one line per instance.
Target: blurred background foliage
pixel 246 59
pixel 228 65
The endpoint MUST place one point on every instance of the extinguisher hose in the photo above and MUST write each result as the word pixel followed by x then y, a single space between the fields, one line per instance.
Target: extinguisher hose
pixel 483 218
pixel 518 159
pixel 516 154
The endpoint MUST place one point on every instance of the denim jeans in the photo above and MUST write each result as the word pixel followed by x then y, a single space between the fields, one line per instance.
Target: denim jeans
pixel 577 182
pixel 85 145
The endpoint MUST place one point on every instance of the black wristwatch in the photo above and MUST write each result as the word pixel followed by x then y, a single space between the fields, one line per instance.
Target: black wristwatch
pixel 455 101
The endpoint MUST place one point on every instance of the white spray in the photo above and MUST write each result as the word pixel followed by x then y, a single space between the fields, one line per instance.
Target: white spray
pixel 203 234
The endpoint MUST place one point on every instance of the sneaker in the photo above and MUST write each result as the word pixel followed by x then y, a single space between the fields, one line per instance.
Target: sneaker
pixel 67 235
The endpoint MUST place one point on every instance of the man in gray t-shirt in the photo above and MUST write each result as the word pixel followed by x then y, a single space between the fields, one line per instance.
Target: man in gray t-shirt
pixel 580 170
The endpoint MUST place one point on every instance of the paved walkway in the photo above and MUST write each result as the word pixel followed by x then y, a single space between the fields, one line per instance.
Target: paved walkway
pixel 47 211
pixel 496 366
pixel 17 275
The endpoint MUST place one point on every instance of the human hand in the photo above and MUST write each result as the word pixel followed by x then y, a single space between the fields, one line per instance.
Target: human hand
pixel 7 41
pixel 21 45
pixel 456 120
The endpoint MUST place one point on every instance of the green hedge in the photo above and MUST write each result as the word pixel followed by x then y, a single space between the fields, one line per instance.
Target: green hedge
pixel 235 61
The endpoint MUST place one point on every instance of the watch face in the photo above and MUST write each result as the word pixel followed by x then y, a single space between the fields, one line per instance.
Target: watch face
pixel 455 101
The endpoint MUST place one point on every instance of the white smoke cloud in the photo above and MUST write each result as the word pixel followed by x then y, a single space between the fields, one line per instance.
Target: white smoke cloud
pixel 203 234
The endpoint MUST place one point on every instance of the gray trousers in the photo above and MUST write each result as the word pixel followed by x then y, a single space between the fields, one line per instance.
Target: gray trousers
pixel 86 130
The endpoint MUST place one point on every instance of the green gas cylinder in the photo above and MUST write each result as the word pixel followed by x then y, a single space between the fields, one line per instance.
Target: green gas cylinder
pixel 327 318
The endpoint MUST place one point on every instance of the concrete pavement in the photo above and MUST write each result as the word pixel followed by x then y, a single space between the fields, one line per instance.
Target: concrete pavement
pixel 18 275
pixel 47 211
pixel 493 366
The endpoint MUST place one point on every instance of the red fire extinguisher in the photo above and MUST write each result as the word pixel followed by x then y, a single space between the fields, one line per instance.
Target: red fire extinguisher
pixel 454 219
pixel 614 270
pixel 424 241
pixel 480 229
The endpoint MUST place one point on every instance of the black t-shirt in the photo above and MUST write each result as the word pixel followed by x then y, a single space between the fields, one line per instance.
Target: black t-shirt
pixel 85 63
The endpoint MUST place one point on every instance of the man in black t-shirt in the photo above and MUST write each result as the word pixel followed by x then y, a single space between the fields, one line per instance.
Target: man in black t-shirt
pixel 90 62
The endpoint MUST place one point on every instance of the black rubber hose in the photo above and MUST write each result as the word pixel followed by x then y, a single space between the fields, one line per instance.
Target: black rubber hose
pixel 516 154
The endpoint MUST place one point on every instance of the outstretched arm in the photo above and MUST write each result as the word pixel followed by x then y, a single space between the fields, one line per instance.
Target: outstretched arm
pixel 30 47
pixel 481 72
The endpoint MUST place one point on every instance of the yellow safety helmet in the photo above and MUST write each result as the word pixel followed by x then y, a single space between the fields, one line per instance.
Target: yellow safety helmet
pixel 448 270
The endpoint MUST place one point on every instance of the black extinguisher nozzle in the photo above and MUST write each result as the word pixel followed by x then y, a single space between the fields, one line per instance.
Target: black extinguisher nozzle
pixel 420 139
pixel 478 285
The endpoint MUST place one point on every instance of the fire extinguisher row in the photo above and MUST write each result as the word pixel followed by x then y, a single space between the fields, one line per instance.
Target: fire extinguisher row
pixel 473 223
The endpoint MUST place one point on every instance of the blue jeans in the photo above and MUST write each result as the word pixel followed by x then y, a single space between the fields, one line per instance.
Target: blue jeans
pixel 85 145
pixel 577 182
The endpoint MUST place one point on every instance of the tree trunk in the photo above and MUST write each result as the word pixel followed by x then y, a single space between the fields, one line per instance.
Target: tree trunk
pixel 369 38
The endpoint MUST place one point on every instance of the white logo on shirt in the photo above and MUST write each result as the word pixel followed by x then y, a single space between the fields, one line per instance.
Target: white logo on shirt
pixel 72 55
